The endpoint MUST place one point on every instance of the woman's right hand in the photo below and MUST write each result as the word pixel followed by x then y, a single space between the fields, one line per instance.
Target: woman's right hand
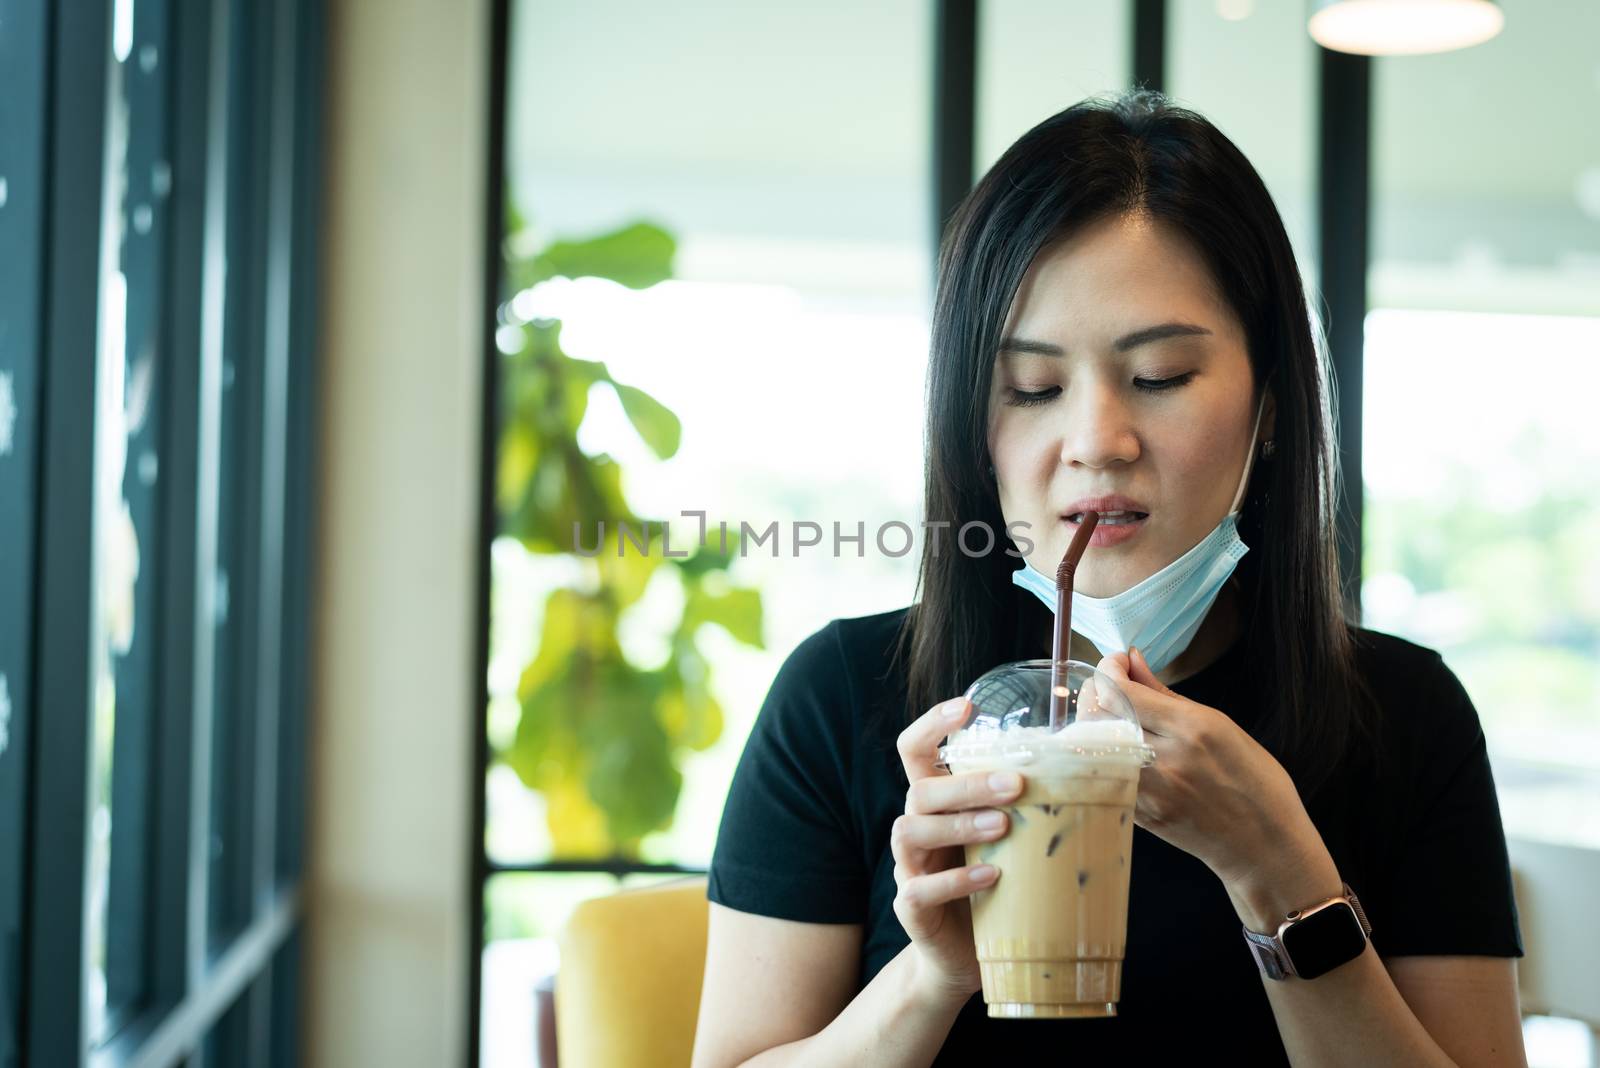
pixel 930 871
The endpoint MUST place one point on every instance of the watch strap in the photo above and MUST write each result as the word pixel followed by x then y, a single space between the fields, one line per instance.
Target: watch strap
pixel 1270 958
pixel 1268 949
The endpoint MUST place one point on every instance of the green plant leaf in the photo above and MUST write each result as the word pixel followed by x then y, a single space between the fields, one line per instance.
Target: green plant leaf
pixel 633 779
pixel 691 717
pixel 625 572
pixel 579 828
pixel 514 221
pixel 737 610
pixel 637 256
pixel 519 454
pixel 599 738
pixel 655 422
pixel 567 492
pixel 560 635
pixel 710 556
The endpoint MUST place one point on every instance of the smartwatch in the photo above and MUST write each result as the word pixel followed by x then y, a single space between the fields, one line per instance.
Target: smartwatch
pixel 1314 940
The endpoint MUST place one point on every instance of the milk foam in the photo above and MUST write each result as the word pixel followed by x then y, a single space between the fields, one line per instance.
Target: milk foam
pixel 1116 741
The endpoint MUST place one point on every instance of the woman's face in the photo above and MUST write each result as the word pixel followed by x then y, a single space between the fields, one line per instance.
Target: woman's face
pixel 1103 422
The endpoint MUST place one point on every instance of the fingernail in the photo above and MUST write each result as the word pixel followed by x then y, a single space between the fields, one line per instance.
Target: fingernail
pixel 989 821
pixel 956 711
pixel 1004 782
pixel 982 872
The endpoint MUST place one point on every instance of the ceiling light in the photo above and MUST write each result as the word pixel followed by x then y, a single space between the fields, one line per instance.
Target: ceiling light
pixel 1403 27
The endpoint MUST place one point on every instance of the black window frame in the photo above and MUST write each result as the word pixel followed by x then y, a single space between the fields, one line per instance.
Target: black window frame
pixel 23 145
pixel 198 1000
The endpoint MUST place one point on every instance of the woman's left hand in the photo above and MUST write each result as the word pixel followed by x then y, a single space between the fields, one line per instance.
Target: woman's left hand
pixel 1213 791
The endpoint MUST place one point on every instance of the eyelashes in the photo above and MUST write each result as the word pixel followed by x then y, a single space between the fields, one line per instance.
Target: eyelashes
pixel 1024 399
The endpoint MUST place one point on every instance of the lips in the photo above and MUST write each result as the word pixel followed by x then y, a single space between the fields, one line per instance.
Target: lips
pixel 1112 532
pixel 1113 518
pixel 1111 507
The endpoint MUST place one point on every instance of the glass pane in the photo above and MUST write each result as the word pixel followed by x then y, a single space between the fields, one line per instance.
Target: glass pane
pixel 794 234
pixel 1036 57
pixel 1482 351
pixel 283 978
pixel 238 532
pixel 226 1045
pixel 22 79
pixel 523 915
pixel 1251 68
pixel 128 512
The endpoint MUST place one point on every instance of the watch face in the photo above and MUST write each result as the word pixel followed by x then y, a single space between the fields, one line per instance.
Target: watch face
pixel 1324 940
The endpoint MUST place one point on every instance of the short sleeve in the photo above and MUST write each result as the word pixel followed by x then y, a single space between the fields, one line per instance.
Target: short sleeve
pixel 1449 888
pixel 789 845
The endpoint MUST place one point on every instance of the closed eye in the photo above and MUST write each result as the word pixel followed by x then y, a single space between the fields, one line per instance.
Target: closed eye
pixel 1021 398
pixel 1161 385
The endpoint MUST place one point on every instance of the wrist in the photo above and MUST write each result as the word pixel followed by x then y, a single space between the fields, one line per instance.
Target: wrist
pixel 1264 898
pixel 933 989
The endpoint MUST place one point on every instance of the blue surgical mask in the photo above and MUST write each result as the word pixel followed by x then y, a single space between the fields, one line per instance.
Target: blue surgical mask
pixel 1161 614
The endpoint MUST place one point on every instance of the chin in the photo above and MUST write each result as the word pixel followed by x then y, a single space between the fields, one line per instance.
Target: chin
pixel 1108 582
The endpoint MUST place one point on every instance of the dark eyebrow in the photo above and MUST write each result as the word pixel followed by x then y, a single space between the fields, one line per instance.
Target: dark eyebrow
pixel 1021 346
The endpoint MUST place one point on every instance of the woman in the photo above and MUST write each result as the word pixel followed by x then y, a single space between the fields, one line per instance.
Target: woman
pixel 1119 315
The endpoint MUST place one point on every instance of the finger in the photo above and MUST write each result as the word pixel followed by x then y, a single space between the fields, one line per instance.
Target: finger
pixel 1089 706
pixel 951 793
pixel 926 863
pixel 908 859
pixel 1142 674
pixel 951 829
pixel 929 891
pixel 919 743
pixel 1152 705
pixel 1117 660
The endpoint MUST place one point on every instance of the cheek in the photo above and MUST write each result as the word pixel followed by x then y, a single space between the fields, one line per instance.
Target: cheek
pixel 1018 457
pixel 1197 467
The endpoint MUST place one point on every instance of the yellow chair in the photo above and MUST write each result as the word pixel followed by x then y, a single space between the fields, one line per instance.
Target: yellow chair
pixel 628 987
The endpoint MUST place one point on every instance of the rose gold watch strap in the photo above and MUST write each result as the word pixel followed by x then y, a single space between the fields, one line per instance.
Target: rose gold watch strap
pixel 1273 964
pixel 1361 913
pixel 1271 956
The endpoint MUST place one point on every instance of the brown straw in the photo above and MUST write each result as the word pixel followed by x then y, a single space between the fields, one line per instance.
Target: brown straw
pixel 1063 636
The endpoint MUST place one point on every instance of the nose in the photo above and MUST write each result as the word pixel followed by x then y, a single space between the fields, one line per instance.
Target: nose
pixel 1097 427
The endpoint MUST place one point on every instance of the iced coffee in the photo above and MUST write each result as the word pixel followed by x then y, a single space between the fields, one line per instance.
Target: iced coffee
pixel 1050 933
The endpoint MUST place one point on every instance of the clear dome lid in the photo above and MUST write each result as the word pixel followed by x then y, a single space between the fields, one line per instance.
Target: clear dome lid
pixel 1012 719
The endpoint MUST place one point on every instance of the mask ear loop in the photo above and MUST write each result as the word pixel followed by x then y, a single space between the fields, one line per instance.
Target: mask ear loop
pixel 1250 457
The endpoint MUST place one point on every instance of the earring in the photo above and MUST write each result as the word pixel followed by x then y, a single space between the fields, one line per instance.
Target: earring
pixel 1268 447
pixel 991 471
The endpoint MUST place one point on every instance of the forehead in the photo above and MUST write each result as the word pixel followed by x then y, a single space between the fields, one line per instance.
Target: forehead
pixel 1117 273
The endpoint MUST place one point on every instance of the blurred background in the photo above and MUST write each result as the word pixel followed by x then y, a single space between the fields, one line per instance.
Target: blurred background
pixel 322 322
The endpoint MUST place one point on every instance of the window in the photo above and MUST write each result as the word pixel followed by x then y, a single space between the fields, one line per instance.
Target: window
pixel 1482 354
pixel 1035 58
pixel 1222 58
pixel 140 256
pixel 703 203
pixel 791 324
pixel 129 420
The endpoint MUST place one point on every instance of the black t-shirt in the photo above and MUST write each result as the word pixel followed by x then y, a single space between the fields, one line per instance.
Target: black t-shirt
pixel 805 836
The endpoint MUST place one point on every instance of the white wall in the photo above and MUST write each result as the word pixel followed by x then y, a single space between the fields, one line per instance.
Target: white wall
pixel 392 718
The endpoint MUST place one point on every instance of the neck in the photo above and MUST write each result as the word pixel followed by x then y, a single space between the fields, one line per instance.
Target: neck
pixel 1216 635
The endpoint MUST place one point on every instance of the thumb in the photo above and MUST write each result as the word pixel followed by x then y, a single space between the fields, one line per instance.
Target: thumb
pixel 1114 664
pixel 1142 674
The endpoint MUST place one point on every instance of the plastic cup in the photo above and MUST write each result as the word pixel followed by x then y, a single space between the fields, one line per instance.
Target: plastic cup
pixel 1051 931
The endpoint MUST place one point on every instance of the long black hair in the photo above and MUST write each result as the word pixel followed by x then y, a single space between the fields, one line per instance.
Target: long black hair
pixel 1108 156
